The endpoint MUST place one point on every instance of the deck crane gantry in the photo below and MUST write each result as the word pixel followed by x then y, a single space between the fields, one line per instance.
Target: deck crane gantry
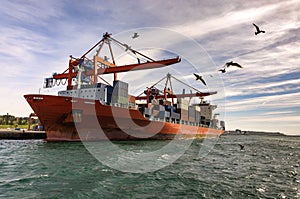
pixel 110 67
pixel 168 93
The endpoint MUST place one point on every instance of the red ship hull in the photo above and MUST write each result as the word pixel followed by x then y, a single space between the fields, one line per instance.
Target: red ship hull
pixel 76 119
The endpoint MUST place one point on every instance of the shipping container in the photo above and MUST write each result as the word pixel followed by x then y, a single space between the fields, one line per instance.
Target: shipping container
pixel 192 119
pixel 182 103
pixel 120 93
pixel 175 115
pixel 197 116
pixel 192 112
pixel 148 112
pixel 131 99
pixel 155 113
pixel 164 114
pixel 159 107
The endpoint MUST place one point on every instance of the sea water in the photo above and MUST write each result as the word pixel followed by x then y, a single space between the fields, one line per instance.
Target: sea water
pixel 267 167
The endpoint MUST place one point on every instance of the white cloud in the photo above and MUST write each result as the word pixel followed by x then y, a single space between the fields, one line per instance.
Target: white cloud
pixel 32 12
pixel 273 101
pixel 278 113
pixel 250 88
pixel 227 20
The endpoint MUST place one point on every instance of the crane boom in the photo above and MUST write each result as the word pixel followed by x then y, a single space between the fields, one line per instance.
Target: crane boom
pixel 103 66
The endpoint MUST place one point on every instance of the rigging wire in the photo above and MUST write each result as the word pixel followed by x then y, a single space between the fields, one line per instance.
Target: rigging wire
pixel 171 85
pixel 104 80
pixel 185 83
pixel 129 52
pixel 132 50
pixel 154 85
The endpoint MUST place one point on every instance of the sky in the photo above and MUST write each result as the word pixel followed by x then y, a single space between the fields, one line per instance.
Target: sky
pixel 37 38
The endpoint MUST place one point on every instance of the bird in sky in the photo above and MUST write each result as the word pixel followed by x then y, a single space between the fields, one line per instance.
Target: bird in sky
pixel 233 64
pixel 198 77
pixel 223 70
pixel 135 35
pixel 258 30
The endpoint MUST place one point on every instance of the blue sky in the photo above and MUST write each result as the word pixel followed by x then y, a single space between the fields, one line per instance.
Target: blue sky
pixel 38 36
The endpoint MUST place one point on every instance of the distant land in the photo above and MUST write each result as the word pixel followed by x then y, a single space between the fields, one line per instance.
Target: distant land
pixel 246 132
pixel 12 121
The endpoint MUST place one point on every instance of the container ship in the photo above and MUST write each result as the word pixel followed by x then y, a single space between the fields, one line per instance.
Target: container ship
pixel 92 109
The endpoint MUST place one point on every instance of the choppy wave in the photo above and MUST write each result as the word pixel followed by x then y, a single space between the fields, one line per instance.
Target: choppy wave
pixel 267 167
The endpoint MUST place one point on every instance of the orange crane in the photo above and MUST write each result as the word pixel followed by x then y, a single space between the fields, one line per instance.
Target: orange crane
pixel 168 93
pixel 110 67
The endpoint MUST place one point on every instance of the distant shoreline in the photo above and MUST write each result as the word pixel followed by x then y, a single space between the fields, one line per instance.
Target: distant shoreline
pixel 266 133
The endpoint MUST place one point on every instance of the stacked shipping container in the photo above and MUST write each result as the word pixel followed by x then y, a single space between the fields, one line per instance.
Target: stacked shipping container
pixel 120 93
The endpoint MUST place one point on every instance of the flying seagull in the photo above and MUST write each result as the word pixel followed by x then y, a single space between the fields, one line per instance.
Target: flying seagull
pixel 233 64
pixel 198 77
pixel 135 35
pixel 242 146
pixel 258 30
pixel 223 70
